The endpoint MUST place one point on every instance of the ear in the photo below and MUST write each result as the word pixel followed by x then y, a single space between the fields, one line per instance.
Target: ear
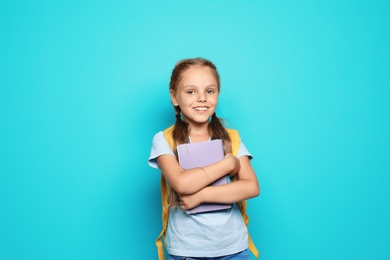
pixel 173 98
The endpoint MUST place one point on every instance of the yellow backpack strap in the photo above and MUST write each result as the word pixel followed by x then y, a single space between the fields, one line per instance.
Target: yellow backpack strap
pixel 251 245
pixel 235 139
pixel 164 201
pixel 168 136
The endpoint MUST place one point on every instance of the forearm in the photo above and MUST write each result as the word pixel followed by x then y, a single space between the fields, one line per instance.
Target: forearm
pixel 245 187
pixel 231 193
pixel 194 180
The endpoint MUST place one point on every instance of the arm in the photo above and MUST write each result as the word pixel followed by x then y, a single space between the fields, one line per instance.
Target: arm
pixel 193 180
pixel 244 188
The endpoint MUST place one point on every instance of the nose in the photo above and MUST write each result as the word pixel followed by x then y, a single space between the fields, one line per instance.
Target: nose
pixel 202 97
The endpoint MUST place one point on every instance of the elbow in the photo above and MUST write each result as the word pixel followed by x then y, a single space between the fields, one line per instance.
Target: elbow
pixel 183 187
pixel 182 184
pixel 180 189
pixel 257 193
pixel 252 190
pixel 256 190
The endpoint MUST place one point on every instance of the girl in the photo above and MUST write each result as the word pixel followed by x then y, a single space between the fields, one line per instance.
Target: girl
pixel 194 91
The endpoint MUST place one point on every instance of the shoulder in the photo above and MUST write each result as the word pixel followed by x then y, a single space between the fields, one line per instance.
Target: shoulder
pixel 168 135
pixel 169 130
pixel 160 146
pixel 158 136
pixel 233 133
pixel 163 135
pixel 238 147
pixel 235 140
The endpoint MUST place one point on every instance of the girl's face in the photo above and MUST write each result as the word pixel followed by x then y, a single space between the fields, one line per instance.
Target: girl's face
pixel 196 95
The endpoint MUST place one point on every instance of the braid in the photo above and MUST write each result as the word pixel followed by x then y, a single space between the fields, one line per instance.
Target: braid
pixel 180 131
pixel 180 136
pixel 218 131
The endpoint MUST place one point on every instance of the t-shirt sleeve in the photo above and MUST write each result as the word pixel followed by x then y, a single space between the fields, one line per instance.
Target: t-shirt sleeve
pixel 160 146
pixel 242 151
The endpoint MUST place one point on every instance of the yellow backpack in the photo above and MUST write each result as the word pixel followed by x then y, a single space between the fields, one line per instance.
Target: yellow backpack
pixel 235 139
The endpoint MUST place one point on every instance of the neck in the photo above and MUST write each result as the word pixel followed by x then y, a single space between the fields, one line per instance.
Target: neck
pixel 199 133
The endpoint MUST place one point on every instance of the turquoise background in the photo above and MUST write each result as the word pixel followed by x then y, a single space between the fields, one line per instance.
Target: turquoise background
pixel 84 87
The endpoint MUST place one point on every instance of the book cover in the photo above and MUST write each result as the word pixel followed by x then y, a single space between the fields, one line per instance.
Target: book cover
pixel 201 154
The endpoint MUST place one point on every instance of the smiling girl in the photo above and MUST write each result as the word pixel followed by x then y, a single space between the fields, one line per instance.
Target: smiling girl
pixel 194 92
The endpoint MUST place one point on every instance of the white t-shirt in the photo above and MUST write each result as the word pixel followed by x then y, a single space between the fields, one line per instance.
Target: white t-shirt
pixel 210 234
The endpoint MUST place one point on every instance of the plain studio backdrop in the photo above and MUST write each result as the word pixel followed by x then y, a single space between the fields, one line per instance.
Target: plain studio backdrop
pixel 84 88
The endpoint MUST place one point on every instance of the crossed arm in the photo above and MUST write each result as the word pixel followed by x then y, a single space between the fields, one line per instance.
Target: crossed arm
pixel 192 185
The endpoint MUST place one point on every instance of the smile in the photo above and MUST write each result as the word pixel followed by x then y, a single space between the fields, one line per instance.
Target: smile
pixel 200 108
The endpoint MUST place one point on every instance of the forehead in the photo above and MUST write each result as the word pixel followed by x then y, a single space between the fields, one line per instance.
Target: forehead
pixel 198 74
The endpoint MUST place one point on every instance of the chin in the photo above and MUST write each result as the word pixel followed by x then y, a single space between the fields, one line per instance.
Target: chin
pixel 198 121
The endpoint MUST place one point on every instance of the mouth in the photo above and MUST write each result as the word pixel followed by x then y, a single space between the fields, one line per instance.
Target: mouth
pixel 200 109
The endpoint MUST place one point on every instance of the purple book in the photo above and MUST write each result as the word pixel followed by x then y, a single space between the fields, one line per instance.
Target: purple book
pixel 201 154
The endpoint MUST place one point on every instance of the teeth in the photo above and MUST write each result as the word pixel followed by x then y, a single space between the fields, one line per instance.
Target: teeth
pixel 200 108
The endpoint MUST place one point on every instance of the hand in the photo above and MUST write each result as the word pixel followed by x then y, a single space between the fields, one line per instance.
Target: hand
pixel 236 166
pixel 190 201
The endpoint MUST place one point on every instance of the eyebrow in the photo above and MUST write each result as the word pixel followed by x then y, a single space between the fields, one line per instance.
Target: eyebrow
pixel 208 86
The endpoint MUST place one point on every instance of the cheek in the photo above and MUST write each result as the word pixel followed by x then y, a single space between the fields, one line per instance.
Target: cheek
pixel 215 100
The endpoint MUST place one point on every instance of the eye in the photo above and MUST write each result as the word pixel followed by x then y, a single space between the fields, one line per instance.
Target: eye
pixel 210 91
pixel 190 92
